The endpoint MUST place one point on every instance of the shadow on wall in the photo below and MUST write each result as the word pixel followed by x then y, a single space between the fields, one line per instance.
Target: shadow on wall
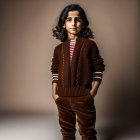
pixel 123 121
pixel 124 113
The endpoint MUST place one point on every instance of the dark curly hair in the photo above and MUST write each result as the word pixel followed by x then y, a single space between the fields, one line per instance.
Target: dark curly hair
pixel 61 33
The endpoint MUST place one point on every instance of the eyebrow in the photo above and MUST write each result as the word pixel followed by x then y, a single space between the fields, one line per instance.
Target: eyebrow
pixel 74 18
pixel 77 16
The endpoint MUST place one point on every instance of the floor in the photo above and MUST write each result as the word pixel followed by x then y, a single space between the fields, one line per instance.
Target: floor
pixel 46 127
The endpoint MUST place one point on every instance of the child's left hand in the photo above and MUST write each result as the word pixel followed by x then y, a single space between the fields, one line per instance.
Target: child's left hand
pixel 93 93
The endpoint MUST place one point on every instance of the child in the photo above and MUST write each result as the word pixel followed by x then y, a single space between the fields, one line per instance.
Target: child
pixel 76 63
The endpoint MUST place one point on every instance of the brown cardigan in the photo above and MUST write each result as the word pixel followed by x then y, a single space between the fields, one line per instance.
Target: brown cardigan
pixel 75 78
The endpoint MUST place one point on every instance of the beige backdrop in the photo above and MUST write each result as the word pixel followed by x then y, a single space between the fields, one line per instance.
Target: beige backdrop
pixel 26 49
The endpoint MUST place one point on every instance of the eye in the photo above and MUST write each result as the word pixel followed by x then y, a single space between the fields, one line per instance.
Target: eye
pixel 68 19
pixel 78 19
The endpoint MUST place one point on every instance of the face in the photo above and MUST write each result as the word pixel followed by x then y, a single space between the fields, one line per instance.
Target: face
pixel 73 23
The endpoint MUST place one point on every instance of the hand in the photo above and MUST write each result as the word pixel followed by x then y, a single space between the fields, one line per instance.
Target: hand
pixel 55 96
pixel 93 93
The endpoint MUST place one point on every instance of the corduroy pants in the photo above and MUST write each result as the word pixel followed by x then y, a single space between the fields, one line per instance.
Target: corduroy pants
pixel 82 108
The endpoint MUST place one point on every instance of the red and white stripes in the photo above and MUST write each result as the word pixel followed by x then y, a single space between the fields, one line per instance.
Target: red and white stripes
pixel 72 46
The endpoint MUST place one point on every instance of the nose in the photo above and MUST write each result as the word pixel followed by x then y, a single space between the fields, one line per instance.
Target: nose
pixel 73 22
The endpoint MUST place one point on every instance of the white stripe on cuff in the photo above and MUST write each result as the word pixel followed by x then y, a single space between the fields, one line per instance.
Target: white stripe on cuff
pixel 98 72
pixel 98 77
pixel 54 76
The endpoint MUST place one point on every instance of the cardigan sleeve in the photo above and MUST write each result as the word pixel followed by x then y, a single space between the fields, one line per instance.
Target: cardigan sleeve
pixel 55 66
pixel 98 63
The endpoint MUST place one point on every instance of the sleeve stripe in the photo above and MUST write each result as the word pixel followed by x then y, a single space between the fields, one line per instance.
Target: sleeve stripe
pixel 54 76
pixel 98 77
pixel 99 72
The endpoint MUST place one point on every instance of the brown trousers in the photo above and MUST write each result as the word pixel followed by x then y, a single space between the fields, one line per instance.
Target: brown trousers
pixel 81 107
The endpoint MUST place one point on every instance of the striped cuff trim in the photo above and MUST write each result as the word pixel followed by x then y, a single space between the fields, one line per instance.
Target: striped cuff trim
pixel 98 77
pixel 54 78
pixel 99 72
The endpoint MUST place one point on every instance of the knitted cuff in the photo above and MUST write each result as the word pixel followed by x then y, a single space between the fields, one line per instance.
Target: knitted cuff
pixel 98 76
pixel 54 78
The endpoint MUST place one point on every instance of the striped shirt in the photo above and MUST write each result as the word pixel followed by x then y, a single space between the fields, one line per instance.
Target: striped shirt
pixel 72 46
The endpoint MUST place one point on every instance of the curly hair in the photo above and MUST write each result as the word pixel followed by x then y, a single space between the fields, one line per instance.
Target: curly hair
pixel 61 33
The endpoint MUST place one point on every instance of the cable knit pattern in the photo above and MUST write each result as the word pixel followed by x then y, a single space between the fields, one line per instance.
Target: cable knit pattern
pixel 62 66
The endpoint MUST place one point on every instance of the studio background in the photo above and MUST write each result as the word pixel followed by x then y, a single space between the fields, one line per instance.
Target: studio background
pixel 26 50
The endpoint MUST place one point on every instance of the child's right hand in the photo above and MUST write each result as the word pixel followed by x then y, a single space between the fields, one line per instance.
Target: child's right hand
pixel 55 96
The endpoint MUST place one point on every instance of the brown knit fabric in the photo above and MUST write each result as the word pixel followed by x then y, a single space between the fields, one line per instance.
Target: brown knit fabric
pixel 87 65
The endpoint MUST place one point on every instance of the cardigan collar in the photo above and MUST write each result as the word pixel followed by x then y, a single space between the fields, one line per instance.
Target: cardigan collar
pixel 70 69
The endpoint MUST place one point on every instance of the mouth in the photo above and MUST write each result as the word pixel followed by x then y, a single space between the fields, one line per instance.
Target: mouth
pixel 73 28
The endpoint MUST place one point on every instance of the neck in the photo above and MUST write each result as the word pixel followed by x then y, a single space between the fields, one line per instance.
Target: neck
pixel 73 37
